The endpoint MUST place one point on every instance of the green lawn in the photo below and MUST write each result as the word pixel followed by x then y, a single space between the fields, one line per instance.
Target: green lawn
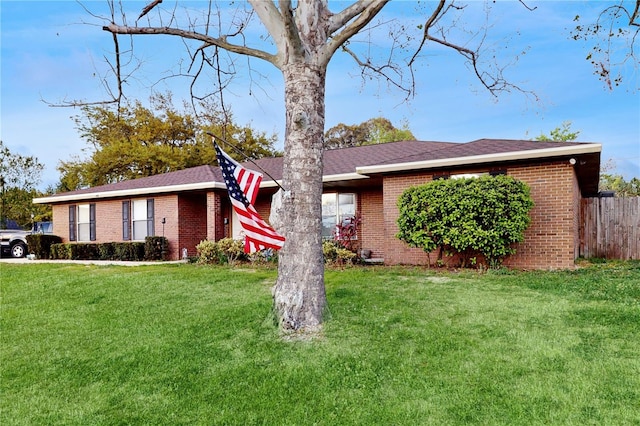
pixel 182 344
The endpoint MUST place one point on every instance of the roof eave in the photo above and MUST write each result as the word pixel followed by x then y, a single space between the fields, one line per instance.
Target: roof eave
pixel 328 178
pixel 129 192
pixel 484 158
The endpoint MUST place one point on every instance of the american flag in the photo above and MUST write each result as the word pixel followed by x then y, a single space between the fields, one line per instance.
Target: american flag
pixel 242 185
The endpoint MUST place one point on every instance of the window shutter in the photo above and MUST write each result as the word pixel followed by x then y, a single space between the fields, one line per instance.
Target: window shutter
pixel 92 222
pixel 72 222
pixel 126 220
pixel 151 229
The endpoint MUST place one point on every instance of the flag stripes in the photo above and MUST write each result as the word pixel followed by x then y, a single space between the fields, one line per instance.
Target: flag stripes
pixel 242 185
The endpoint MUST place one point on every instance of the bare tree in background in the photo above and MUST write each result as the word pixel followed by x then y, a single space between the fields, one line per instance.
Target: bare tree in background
pixel 299 38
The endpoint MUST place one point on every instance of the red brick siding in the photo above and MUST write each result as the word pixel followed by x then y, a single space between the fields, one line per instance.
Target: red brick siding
pixel 550 241
pixel 60 218
pixel 395 251
pixel 193 221
pixel 215 217
pixel 167 207
pixel 371 233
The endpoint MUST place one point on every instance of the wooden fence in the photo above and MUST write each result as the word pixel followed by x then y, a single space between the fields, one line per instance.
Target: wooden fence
pixel 610 228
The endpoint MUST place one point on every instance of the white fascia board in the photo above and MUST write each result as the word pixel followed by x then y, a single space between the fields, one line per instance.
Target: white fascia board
pixel 484 158
pixel 328 178
pixel 129 192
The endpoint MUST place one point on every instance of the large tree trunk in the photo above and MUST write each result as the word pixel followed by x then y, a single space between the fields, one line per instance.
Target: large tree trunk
pixel 299 294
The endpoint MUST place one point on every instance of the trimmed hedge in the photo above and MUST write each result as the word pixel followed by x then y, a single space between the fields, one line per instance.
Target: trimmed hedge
pixel 151 249
pixel 40 244
pixel 156 248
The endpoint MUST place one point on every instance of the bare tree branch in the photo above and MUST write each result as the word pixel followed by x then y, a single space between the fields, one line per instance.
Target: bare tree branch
pixel 635 15
pixel 208 40
pixel 369 9
pixel 605 56
pixel 148 8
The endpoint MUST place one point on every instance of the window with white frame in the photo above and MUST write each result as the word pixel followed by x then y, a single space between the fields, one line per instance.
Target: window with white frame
pixel 82 222
pixel 336 208
pixel 141 218
pixel 468 175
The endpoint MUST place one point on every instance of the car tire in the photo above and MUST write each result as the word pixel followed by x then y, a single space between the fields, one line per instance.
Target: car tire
pixel 18 250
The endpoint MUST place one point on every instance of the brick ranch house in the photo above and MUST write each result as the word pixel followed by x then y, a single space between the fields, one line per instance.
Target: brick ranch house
pixel 191 205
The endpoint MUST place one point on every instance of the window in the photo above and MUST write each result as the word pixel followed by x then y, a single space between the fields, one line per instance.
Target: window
pixel 468 175
pixel 82 222
pixel 336 208
pixel 137 219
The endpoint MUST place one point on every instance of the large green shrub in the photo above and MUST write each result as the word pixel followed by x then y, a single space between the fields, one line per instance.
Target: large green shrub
pixel 469 217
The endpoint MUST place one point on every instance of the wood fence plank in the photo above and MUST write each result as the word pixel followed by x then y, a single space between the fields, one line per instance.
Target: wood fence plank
pixel 610 228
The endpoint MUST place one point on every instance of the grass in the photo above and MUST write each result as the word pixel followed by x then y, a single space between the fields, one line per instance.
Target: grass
pixel 188 345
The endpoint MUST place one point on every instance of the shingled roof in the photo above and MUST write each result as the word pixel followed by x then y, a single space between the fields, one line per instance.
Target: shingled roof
pixel 358 162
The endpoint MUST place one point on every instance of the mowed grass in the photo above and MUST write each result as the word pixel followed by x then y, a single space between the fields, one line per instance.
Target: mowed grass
pixel 189 345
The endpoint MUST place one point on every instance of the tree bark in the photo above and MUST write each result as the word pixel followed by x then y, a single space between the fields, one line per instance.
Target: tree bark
pixel 299 293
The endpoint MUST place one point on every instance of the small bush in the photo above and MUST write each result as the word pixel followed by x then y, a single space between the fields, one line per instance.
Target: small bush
pixel 156 248
pixel 229 250
pixel 40 244
pixel 329 251
pixel 60 251
pixel 232 250
pixel 208 252
pixel 334 253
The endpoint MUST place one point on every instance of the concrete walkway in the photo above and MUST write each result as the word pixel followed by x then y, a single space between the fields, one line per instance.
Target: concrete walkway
pixel 24 260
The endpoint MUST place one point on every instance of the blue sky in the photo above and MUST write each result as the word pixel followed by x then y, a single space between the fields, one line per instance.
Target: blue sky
pixel 53 51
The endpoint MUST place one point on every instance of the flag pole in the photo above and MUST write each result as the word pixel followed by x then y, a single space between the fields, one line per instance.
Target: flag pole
pixel 239 151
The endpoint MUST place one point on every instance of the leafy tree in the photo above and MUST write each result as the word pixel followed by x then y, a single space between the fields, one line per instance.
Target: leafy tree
pixel 373 131
pixel 612 181
pixel 620 185
pixel 562 133
pixel 470 217
pixel 299 38
pixel 19 177
pixel 134 141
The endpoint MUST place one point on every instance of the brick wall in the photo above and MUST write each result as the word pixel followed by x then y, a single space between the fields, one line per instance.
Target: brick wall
pixel 395 251
pixel 551 240
pixel 192 226
pixel 60 218
pixel 216 215
pixel 371 234
pixel 167 207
